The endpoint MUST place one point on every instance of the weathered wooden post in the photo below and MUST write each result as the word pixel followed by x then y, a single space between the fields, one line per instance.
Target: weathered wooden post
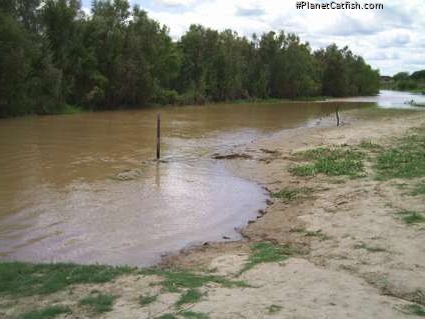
pixel 337 116
pixel 158 136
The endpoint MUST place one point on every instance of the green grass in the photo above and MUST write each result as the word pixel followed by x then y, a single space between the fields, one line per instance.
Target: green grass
pixel 46 313
pixel 335 161
pixel 410 217
pixel 265 252
pixel 26 279
pixel 405 160
pixel 147 299
pixel 372 249
pixel 274 309
pixel 189 296
pixel 419 189
pixel 289 194
pixel 99 302
pixel 193 315
pixel 166 316
pixel 416 310
pixel 174 280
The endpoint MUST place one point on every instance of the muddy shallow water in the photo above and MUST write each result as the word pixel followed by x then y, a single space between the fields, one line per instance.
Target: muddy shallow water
pixel 84 188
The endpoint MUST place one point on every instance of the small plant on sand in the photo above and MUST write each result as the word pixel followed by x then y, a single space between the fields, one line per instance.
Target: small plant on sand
pixel 193 315
pixel 174 280
pixel 46 313
pixel 147 299
pixel 274 308
pixel 289 194
pixel 189 296
pixel 166 316
pixel 410 217
pixel 99 302
pixel 415 309
pixel 265 252
pixel 417 296
pixel 331 161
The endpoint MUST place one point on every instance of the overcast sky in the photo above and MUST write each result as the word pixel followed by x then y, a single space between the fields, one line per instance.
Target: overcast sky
pixel 392 39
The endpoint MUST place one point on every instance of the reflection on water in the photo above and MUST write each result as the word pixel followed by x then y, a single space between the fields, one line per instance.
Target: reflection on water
pixel 60 199
pixel 388 99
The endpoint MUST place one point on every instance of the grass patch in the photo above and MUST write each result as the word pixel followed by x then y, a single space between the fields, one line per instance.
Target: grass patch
pixel 336 161
pixel 372 249
pixel 415 309
pixel 289 194
pixel 176 280
pixel 419 189
pixel 405 160
pixel 265 252
pixel 274 308
pixel 26 279
pixel 46 313
pixel 148 299
pixel 166 316
pixel 190 296
pixel 410 217
pixel 193 315
pixel 99 302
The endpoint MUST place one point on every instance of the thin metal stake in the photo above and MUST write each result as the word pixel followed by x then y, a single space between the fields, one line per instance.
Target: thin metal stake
pixel 337 116
pixel 158 136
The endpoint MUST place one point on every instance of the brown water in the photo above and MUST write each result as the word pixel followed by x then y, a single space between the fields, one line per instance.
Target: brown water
pixel 61 198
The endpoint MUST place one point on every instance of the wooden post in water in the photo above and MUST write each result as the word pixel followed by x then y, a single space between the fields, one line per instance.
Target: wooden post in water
pixel 337 116
pixel 158 136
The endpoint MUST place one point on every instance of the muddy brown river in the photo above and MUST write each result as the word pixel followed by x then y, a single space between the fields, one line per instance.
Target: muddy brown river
pixel 84 188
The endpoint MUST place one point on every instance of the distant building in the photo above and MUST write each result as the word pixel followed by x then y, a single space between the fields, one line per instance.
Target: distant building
pixel 385 78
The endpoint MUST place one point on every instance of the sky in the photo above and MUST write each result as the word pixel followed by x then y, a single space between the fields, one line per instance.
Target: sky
pixel 391 39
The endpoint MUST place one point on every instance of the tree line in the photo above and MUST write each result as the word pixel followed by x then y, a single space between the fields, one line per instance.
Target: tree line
pixel 52 55
pixel 404 81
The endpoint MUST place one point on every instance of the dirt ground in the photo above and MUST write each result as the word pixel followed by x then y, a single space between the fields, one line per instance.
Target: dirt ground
pixel 356 258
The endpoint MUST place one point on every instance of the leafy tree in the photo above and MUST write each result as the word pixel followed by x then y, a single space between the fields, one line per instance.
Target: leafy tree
pixel 52 54
pixel 401 76
pixel 418 75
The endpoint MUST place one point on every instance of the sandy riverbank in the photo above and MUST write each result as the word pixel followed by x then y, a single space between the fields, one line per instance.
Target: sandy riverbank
pixel 354 258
